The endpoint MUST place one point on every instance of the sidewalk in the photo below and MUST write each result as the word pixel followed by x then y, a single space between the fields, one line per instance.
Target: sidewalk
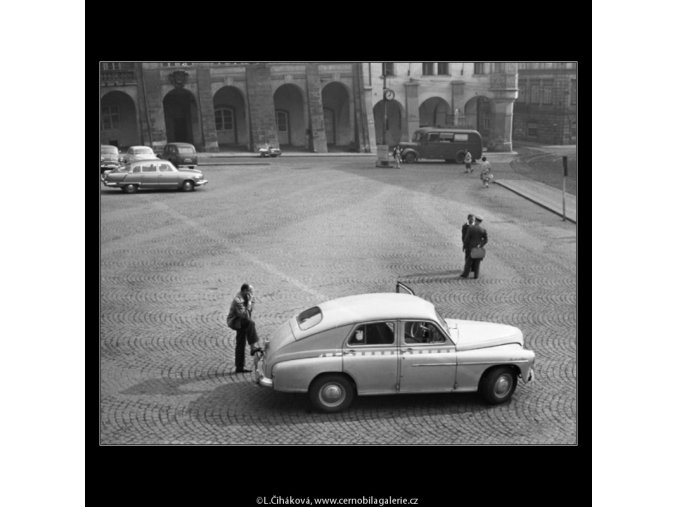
pixel 543 195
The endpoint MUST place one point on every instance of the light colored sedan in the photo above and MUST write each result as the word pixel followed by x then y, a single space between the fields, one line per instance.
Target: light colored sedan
pixel 389 343
pixel 135 153
pixel 153 174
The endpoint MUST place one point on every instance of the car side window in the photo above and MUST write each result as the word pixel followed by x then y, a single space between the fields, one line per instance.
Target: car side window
pixel 165 168
pixel 433 138
pixel 137 169
pixel 377 333
pixel 422 332
pixel 149 168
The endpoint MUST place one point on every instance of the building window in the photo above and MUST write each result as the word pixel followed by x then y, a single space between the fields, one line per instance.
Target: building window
pixel 532 129
pixel 478 68
pixel 428 69
pixel 110 117
pixel 547 92
pixel 388 69
pixel 522 95
pixel 499 67
pixel 177 64
pixel 535 92
pixel 443 68
pixel 574 92
pixel 224 118
pixel 112 65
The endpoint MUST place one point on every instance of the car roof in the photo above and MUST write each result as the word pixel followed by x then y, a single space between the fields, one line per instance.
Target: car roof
pixel 180 144
pixel 369 307
pixel 443 129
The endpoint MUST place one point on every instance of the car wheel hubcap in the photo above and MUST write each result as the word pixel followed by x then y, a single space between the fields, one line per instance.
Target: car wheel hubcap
pixel 502 386
pixel 332 394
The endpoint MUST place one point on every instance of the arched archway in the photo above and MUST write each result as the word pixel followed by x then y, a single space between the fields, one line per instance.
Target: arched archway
pixel 339 128
pixel 230 118
pixel 479 115
pixel 434 112
pixel 181 119
pixel 290 115
pixel 119 123
pixel 393 134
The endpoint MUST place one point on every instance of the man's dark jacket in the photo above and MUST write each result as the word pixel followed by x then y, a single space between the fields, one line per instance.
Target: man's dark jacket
pixel 476 235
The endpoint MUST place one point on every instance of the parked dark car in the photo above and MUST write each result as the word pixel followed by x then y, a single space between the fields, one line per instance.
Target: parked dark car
pixel 110 158
pixel 180 154
pixel 153 174
pixel 449 144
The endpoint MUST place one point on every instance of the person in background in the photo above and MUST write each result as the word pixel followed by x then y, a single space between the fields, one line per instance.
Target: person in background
pixel 485 173
pixel 468 162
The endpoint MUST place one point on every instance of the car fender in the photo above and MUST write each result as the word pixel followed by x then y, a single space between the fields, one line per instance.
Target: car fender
pixel 295 376
pixel 472 364
pixel 409 150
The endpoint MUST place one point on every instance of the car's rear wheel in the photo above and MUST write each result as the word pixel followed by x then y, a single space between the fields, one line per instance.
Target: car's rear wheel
pixel 460 157
pixel 187 186
pixel 331 393
pixel 498 384
pixel 410 157
pixel 130 189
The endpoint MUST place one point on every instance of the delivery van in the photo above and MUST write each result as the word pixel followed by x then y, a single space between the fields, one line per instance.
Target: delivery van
pixel 448 144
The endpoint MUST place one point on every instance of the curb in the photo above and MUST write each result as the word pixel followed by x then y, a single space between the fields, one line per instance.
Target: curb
pixel 535 201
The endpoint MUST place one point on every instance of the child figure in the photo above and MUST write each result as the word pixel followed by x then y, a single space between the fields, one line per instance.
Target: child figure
pixel 397 154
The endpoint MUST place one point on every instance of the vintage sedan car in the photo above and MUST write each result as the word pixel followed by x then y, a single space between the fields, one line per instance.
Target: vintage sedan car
pixel 180 154
pixel 110 158
pixel 135 153
pixel 389 343
pixel 269 151
pixel 153 174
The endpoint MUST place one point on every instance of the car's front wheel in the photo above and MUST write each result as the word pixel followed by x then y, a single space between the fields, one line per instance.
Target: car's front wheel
pixel 331 393
pixel 498 384
pixel 130 189
pixel 410 157
pixel 187 186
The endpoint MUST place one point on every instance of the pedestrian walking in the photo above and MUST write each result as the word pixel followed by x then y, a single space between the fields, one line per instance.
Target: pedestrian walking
pixel 468 162
pixel 485 173
pixel 397 154
pixel 475 237
pixel 240 320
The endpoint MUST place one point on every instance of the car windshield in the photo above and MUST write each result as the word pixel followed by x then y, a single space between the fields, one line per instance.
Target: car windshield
pixel 143 151
pixel 442 322
pixel 109 150
pixel 417 137
pixel 186 150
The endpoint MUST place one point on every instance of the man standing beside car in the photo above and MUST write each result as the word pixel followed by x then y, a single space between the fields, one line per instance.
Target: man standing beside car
pixel 475 236
pixel 240 320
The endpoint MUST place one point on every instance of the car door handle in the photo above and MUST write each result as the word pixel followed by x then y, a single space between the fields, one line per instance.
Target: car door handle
pixel 345 352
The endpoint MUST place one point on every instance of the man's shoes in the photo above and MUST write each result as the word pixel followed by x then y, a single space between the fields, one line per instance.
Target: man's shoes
pixel 243 370
pixel 463 276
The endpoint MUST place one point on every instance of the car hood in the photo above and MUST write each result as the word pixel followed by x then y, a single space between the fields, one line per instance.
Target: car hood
pixel 477 335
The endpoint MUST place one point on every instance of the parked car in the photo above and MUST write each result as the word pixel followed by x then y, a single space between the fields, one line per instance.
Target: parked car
pixel 269 151
pixel 180 154
pixel 110 158
pixel 448 144
pixel 148 174
pixel 389 343
pixel 135 153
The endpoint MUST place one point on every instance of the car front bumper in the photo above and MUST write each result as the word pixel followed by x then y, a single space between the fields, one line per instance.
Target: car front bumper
pixel 201 182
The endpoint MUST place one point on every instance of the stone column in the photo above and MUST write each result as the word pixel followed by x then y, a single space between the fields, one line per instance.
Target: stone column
pixel 206 108
pixel 315 109
pixel 261 110
pixel 501 134
pixel 154 114
pixel 411 105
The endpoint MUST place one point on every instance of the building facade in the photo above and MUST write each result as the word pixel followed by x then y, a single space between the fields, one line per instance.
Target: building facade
pixel 546 108
pixel 311 106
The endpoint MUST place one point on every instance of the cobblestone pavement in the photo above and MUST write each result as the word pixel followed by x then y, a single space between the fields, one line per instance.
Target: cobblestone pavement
pixel 306 230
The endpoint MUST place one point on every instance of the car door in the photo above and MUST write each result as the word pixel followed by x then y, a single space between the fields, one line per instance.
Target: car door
pixel 427 358
pixel 149 176
pixel 168 176
pixel 370 357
